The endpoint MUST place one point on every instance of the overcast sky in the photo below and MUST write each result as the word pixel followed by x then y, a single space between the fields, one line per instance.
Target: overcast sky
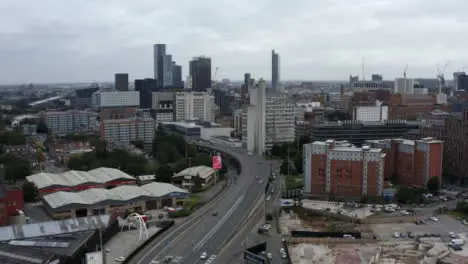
pixel 87 40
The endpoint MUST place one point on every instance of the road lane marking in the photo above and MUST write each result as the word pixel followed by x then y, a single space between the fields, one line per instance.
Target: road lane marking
pixel 219 224
pixel 194 217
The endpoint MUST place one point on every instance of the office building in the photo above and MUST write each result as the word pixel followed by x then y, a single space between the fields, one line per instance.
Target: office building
pixel 377 112
pixel 82 98
pixel 72 121
pixel 247 77
pixel 121 82
pixel 194 106
pixel 462 82
pixel 377 77
pixel 177 76
pixel 269 119
pixel 146 87
pixel 125 131
pixel 357 132
pixel 455 80
pixel 275 72
pixel 342 170
pixel 410 106
pixel 224 99
pixel 456 149
pixel 162 66
pixel 200 73
pixel 412 162
pixel 163 106
pixel 116 99
pixel 404 86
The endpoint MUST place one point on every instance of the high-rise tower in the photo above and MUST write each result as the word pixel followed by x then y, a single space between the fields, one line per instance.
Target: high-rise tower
pixel 275 74
pixel 162 66
pixel 200 72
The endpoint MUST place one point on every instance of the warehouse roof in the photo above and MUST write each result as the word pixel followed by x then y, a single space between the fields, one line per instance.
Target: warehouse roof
pixel 49 228
pixel 75 178
pixel 118 195
pixel 202 171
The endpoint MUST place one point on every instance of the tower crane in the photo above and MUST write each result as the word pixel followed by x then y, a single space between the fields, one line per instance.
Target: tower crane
pixel 441 77
pixel 214 81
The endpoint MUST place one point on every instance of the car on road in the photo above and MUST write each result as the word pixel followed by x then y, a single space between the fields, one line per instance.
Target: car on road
pixel 452 235
pixel 168 259
pixel 268 198
pixel 203 255
pixel 269 256
pixel 155 262
pixel 404 212
pixel 215 213
pixel 396 235
pixel 433 218
pixel 120 259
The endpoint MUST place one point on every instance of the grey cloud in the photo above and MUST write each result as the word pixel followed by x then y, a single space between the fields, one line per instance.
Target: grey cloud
pixel 84 40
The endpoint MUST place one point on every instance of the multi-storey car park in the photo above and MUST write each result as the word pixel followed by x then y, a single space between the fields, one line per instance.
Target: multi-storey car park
pixel 118 200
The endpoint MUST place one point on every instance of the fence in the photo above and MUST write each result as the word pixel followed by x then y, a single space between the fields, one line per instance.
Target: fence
pixel 328 240
pixel 390 220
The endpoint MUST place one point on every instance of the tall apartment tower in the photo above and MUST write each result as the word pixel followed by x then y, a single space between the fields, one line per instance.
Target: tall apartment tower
pixel 162 66
pixel 200 72
pixel 275 74
pixel 121 82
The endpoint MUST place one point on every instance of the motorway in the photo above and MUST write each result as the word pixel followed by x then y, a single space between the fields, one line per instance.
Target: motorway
pixel 203 232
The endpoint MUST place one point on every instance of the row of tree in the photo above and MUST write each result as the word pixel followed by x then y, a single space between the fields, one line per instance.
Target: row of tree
pixel 12 138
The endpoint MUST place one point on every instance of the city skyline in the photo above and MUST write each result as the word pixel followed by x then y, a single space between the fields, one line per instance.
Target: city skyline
pixel 80 41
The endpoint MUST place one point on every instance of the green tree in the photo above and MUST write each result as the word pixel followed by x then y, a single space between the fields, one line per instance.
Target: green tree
pixel 298 162
pixel 202 159
pixel 407 195
pixel 164 174
pixel 100 147
pixel 433 184
pixel 30 192
pixel 16 167
pixel 284 167
pixel 197 184
pixel 138 144
pixel 42 128
pixel 12 138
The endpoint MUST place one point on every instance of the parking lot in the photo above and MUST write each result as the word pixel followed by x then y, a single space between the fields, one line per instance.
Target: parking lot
pixel 441 228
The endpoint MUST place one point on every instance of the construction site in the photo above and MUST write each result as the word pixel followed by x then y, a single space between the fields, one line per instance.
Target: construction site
pixel 375 244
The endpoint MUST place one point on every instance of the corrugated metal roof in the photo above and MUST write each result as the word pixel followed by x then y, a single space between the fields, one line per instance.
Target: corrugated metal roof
pixel 203 171
pixel 122 194
pixel 75 178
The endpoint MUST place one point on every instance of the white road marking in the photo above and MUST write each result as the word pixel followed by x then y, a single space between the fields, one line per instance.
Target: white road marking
pixel 219 224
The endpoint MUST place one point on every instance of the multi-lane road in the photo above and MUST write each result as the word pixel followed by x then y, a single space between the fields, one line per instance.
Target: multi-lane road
pixel 205 232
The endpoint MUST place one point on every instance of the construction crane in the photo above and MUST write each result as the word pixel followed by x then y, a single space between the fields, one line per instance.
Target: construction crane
pixel 214 81
pixel 215 73
pixel 441 77
pixel 404 71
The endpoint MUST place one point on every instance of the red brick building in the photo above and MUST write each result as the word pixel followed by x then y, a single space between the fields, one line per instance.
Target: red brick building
pixel 412 163
pixel 403 106
pixel 11 201
pixel 339 169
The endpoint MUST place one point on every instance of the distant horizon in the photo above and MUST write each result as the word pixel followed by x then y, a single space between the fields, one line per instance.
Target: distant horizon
pixel 241 80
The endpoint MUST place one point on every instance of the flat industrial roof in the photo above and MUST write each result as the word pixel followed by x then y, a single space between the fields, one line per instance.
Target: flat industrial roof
pixel 49 228
pixel 96 196
pixel 76 178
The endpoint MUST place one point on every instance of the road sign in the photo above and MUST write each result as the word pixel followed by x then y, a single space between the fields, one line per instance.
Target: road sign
pixel 217 162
